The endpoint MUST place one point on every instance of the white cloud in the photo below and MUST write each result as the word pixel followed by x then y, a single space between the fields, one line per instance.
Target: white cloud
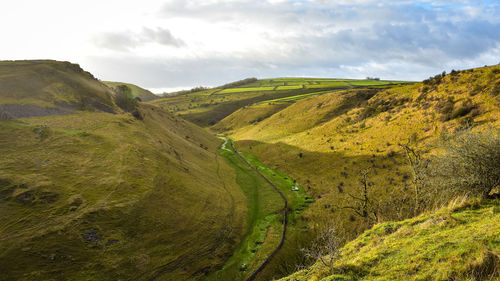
pixel 128 40
pixel 174 43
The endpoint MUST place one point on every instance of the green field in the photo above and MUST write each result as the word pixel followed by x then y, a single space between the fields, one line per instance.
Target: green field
pixel 296 98
pixel 241 90
pixel 207 108
pixel 289 87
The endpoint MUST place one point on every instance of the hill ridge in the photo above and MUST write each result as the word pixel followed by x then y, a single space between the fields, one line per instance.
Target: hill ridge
pixel 46 87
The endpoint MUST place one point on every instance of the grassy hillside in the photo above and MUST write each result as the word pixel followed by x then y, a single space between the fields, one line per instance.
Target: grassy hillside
pixel 208 107
pixel 326 141
pixel 41 88
pixel 103 196
pixel 137 92
pixel 99 196
pixel 459 242
pixel 95 186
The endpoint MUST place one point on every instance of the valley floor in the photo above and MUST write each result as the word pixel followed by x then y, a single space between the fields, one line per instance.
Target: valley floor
pixel 265 232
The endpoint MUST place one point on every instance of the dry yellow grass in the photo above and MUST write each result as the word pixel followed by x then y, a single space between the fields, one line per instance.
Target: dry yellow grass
pixel 324 141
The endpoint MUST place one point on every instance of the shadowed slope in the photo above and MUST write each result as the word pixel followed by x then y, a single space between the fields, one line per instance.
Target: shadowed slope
pixel 100 196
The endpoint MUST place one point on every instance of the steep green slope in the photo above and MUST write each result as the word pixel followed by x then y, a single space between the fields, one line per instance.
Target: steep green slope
pixel 102 196
pixel 249 115
pixel 136 91
pixel 99 196
pixel 42 88
pixel 459 242
pixel 289 121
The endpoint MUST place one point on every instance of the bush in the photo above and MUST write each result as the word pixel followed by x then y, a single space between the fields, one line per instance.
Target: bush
pixel 495 91
pixel 124 98
pixel 462 110
pixel 476 90
pixel 445 106
pixel 469 165
pixel 239 83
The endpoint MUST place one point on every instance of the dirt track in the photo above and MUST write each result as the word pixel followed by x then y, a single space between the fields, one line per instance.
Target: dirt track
pixel 283 232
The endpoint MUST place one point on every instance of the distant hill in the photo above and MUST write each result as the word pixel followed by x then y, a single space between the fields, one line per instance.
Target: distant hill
pixel 45 87
pixel 136 91
pixel 208 106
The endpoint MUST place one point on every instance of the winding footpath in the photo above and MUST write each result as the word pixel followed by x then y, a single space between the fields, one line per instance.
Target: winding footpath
pixel 283 232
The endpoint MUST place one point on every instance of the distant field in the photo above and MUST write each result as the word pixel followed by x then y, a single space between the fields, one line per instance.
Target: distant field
pixel 297 97
pixel 206 108
pixel 329 85
pixel 293 82
pixel 298 83
pixel 237 90
pixel 289 87
pixel 374 82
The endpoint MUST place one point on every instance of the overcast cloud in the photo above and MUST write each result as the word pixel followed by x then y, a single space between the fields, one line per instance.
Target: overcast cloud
pixel 170 44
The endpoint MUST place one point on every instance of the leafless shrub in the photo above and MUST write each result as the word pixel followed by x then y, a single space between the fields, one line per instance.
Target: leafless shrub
pixel 325 248
pixel 470 164
pixel 363 204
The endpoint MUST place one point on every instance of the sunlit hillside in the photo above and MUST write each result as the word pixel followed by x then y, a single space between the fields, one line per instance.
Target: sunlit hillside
pixel 325 141
pixel 458 242
pixel 95 184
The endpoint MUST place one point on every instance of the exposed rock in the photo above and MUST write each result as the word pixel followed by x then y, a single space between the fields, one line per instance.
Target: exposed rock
pixel 92 236
pixel 26 198
pixel 23 111
pixel 111 242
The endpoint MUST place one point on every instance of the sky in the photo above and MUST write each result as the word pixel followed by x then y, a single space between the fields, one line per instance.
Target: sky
pixel 167 45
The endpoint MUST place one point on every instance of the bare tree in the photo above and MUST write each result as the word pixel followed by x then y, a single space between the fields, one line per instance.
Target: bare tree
pixel 417 166
pixel 470 164
pixel 364 206
pixel 325 248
